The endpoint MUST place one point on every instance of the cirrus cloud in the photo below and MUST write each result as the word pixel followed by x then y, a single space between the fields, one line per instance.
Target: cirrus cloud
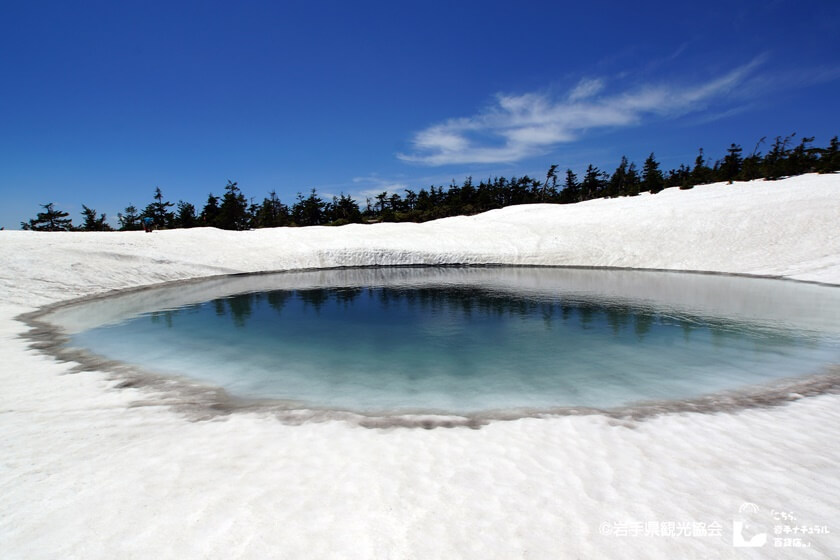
pixel 516 127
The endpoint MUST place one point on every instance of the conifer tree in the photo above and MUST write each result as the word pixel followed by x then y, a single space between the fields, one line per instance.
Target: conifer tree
pixel 129 221
pixel 550 176
pixel 395 205
pixel 829 161
pixel 633 181
pixel 308 211
pixel 92 222
pixel 49 220
pixel 233 212
pixel 618 180
pixel 410 199
pixel 344 210
pixel 702 173
pixel 593 184
pixel 652 179
pixel 732 163
pixel 159 210
pixel 272 212
pixel 803 158
pixel 423 203
pixel 571 189
pixel 751 168
pixel 380 201
pixel 680 177
pixel 775 162
pixel 210 212
pixel 185 216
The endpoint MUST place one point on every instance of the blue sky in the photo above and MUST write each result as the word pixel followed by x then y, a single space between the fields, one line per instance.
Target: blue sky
pixel 103 101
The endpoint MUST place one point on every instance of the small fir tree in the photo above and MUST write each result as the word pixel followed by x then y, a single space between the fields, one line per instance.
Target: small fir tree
pixel 210 212
pixel 652 179
pixel 571 189
pixel 92 222
pixel 49 220
pixel 159 212
pixel 233 212
pixel 130 220
pixel 732 164
pixel 185 216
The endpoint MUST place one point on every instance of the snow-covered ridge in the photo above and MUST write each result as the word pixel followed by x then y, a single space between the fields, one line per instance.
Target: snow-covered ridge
pixel 783 228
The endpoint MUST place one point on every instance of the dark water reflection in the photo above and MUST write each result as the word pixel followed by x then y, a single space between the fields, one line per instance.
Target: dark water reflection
pixel 473 302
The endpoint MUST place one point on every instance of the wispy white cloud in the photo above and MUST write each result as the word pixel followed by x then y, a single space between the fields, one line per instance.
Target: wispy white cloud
pixel 516 127
pixel 361 188
pixel 367 187
pixel 585 88
pixel 374 184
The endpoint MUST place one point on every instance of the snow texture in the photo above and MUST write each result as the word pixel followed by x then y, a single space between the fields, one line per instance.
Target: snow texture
pixel 89 470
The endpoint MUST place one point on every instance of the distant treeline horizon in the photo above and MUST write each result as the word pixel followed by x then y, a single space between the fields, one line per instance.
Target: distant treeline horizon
pixel 232 211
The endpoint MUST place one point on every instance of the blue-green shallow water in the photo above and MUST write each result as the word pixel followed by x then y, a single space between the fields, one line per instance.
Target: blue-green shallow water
pixel 467 345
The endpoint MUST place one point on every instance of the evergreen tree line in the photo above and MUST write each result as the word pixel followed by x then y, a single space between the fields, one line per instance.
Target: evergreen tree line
pixel 233 211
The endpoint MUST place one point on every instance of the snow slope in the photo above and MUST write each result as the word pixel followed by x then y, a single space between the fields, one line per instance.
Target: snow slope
pixel 91 471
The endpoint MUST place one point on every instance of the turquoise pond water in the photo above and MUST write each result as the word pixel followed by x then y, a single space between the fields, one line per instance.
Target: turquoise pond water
pixel 470 339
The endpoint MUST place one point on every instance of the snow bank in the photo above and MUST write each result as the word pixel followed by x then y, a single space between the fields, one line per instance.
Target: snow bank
pixel 92 471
